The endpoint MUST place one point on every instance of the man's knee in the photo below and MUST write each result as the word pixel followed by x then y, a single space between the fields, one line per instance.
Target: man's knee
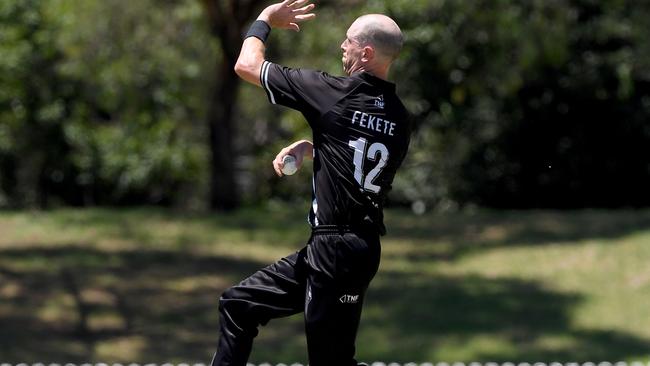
pixel 230 301
pixel 225 296
pixel 237 310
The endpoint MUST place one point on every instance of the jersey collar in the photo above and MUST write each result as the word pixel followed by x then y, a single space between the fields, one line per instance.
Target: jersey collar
pixel 371 79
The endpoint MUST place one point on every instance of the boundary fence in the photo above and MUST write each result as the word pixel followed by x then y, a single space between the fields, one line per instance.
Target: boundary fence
pixel 620 363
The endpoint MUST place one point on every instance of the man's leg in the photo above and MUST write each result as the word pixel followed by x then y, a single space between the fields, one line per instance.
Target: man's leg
pixel 275 291
pixel 340 270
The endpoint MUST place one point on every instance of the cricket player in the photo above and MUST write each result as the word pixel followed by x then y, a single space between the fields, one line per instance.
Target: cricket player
pixel 361 133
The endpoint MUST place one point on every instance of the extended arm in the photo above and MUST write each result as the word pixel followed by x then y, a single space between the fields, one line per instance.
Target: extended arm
pixel 284 15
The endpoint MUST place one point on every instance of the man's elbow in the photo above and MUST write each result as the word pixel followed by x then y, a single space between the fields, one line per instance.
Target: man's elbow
pixel 240 69
pixel 247 72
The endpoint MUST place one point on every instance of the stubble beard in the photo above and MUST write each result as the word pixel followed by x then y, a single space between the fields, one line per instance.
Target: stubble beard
pixel 348 65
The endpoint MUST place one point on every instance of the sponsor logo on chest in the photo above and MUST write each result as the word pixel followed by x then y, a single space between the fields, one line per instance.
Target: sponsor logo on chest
pixel 379 102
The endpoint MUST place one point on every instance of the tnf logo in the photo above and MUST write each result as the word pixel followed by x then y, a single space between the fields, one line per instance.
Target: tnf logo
pixel 379 101
pixel 349 299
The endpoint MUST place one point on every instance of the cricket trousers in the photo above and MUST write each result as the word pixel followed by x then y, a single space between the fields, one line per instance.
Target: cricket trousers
pixel 327 280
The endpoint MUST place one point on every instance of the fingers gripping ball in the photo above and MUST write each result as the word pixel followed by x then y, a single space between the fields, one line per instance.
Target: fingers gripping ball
pixel 289 165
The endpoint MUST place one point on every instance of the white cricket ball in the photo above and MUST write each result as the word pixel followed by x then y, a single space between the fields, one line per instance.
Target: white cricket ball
pixel 289 165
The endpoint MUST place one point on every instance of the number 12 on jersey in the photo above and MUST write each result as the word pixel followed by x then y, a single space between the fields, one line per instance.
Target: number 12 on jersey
pixel 376 152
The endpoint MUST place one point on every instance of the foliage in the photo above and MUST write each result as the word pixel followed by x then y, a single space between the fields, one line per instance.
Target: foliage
pixel 112 112
pixel 518 104
pixel 137 124
pixel 33 100
pixel 527 104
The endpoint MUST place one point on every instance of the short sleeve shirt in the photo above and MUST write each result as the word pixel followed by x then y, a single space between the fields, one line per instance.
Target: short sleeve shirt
pixel 361 132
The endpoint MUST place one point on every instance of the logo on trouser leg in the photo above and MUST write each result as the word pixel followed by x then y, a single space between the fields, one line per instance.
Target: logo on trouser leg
pixel 349 299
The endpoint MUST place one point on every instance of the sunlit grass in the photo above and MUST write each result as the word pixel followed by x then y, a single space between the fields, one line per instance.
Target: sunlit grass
pixel 471 286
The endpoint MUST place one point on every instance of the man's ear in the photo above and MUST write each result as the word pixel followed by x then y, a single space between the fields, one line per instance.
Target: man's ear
pixel 368 54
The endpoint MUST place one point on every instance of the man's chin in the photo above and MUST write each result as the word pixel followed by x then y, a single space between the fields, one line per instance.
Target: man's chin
pixel 347 69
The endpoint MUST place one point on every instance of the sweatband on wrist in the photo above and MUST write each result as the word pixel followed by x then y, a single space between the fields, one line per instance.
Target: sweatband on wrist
pixel 259 29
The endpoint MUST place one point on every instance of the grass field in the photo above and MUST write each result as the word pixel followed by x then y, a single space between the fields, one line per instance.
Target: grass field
pixel 142 285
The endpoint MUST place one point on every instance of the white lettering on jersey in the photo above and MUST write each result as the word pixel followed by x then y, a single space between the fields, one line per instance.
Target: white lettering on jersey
pixel 373 123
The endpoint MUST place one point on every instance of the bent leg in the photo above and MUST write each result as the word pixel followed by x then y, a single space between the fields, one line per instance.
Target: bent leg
pixel 272 292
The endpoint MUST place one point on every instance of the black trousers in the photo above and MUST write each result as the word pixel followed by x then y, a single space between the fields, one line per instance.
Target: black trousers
pixel 326 280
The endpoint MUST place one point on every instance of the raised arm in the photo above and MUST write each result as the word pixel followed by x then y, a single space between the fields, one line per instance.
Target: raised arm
pixel 285 15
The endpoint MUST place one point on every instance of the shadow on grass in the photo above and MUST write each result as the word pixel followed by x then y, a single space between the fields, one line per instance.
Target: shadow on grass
pixel 491 319
pixel 79 304
pixel 282 223
pixel 467 233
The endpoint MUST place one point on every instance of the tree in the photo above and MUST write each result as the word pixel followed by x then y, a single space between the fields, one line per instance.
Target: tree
pixel 34 101
pixel 228 19
pixel 104 115
pixel 526 104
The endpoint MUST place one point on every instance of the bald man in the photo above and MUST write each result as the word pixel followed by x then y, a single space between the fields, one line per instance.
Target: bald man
pixel 361 133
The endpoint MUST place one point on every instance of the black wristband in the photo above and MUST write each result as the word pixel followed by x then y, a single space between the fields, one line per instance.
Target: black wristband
pixel 259 29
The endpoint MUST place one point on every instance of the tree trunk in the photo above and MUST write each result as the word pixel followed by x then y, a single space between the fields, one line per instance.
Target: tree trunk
pixel 228 20
pixel 223 187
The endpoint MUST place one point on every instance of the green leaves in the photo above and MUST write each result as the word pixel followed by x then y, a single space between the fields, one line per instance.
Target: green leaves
pixel 111 88
pixel 113 96
pixel 481 76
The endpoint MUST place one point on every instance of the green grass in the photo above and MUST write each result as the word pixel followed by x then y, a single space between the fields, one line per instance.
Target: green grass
pixel 480 286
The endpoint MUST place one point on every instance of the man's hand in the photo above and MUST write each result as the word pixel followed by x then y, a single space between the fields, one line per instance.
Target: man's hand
pixel 284 15
pixel 298 149
pixel 287 14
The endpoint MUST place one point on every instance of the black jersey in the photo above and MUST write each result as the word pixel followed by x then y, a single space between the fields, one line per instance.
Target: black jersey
pixel 361 132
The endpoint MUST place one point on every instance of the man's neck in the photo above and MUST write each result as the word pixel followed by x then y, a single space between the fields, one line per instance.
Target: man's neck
pixel 376 72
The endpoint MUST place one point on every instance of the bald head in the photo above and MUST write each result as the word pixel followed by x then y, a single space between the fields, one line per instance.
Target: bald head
pixel 379 31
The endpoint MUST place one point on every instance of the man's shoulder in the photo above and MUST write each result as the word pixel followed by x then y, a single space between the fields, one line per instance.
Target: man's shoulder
pixel 318 78
pixel 315 74
pixel 400 107
pixel 336 81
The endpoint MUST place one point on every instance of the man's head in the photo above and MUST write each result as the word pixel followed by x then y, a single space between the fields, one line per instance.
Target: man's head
pixel 372 43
